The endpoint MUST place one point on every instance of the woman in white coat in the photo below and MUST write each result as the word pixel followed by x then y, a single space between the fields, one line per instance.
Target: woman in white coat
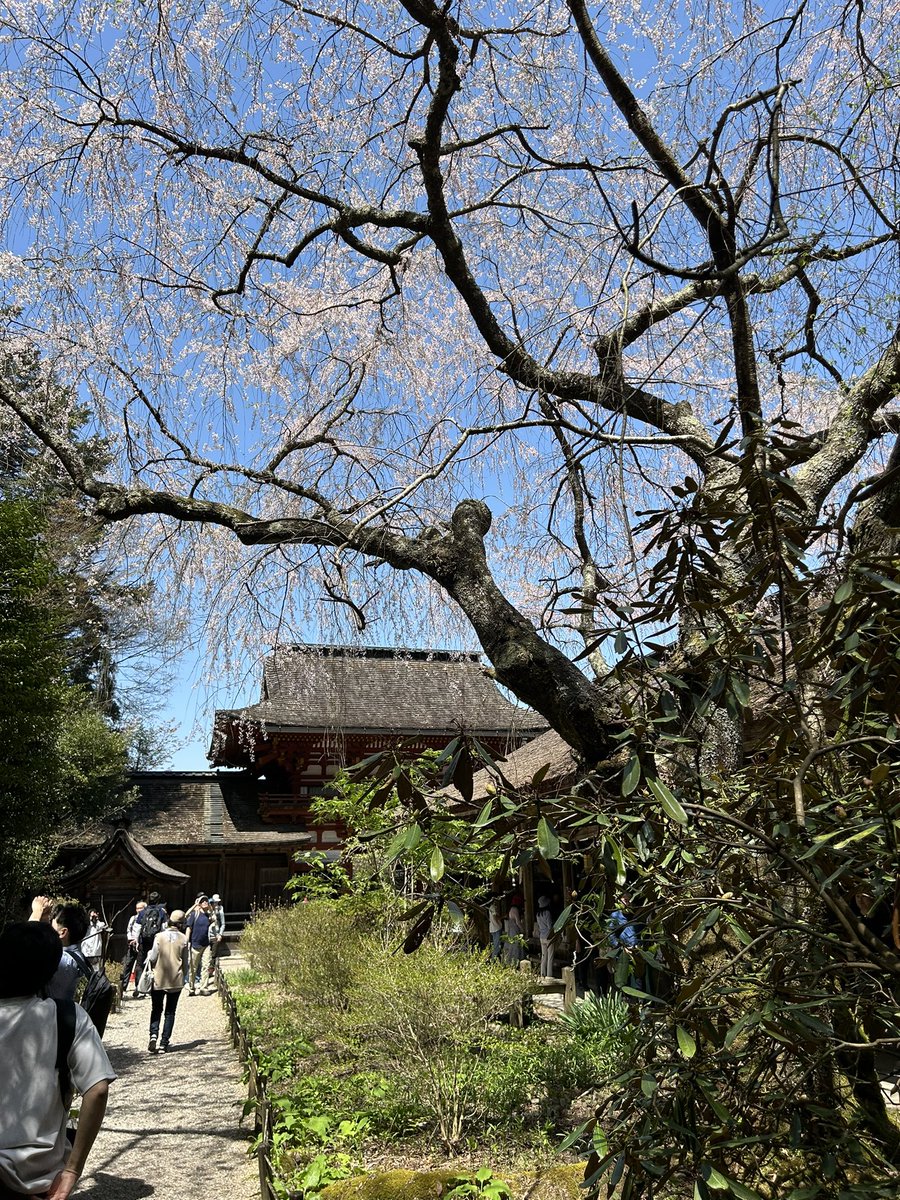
pixel 168 957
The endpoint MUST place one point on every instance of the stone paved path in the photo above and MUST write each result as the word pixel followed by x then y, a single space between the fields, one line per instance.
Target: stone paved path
pixel 172 1127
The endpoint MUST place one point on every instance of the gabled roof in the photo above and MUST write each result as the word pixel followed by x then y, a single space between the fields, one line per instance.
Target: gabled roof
pixel 519 768
pixel 379 689
pixel 120 844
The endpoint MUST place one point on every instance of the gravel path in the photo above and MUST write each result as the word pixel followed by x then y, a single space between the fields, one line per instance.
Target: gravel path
pixel 172 1126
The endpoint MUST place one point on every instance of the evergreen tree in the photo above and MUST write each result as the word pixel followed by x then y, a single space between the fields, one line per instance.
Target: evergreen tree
pixel 61 760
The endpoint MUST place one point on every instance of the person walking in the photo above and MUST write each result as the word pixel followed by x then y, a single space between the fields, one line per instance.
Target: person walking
pixel 200 927
pixel 92 942
pixel 35 1156
pixel 216 936
pixel 134 957
pixel 169 958
pixel 150 921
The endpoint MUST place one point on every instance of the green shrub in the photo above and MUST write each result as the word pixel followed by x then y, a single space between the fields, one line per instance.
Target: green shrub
pixel 311 950
pixel 244 977
pixel 604 1025
pixel 279 1039
pixel 422 1018
pixel 537 1073
pixel 604 1017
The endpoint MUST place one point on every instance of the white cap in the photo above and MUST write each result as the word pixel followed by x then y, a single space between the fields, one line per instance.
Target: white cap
pixel 216 899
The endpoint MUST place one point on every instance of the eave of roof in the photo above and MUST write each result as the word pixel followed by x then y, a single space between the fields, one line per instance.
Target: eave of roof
pixel 120 844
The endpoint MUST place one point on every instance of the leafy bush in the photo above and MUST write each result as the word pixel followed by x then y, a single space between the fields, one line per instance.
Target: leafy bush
pixel 604 1024
pixel 605 1017
pixel 279 1039
pixel 312 950
pixel 536 1073
pixel 423 1018
pixel 244 977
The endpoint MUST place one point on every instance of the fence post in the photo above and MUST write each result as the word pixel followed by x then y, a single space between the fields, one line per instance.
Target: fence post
pixel 568 978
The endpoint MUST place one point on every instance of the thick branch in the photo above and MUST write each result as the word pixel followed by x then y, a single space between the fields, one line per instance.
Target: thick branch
pixel 854 428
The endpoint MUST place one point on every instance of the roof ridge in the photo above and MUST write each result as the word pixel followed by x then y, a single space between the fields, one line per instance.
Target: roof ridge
pixel 409 653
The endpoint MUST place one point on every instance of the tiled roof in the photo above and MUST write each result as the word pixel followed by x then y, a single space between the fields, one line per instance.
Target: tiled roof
pixel 194 808
pixel 380 689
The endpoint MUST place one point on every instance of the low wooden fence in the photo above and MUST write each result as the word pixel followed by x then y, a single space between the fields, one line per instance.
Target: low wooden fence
pixel 256 1090
pixel 256 1080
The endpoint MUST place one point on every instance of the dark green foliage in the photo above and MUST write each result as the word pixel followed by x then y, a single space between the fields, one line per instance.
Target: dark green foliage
pixel 61 761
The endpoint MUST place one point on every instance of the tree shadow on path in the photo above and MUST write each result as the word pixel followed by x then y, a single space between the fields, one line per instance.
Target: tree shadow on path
pixel 112 1187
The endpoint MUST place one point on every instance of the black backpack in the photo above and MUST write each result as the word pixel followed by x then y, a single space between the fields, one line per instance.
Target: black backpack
pixel 98 995
pixel 151 925
pixel 65 1036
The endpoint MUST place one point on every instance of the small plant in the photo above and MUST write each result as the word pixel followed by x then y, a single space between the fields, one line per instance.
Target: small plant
pixel 315 1175
pixel 605 1017
pixel 482 1185
pixel 245 977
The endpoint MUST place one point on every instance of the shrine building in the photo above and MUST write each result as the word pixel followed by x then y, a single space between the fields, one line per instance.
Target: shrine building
pixel 236 829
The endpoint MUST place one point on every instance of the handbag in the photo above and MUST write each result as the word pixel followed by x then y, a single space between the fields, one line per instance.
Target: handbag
pixel 145 983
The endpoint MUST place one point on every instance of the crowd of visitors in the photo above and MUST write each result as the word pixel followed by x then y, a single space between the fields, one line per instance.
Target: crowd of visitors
pixel 510 942
pixel 51 1047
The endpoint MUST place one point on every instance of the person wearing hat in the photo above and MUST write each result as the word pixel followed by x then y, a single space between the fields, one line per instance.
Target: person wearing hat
pixel 217 913
pixel 200 928
pixel 169 958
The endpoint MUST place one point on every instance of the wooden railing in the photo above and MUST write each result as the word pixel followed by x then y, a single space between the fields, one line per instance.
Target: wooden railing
pixel 256 1090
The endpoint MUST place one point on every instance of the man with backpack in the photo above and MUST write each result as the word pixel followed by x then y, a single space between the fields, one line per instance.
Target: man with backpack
pixel 70 921
pixel 46 1047
pixel 151 921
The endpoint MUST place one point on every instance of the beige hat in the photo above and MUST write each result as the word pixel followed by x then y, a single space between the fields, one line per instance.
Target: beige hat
pixel 176 917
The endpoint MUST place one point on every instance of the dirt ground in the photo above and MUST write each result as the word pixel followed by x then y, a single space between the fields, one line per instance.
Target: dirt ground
pixel 172 1128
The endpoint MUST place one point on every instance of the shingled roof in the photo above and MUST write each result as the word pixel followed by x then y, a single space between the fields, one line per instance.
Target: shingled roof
pixel 549 753
pixel 380 689
pixel 205 809
pixel 120 844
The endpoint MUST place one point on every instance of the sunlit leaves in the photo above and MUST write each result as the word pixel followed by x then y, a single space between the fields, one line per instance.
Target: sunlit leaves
pixel 548 842
pixel 670 806
pixel 436 864
pixel 686 1045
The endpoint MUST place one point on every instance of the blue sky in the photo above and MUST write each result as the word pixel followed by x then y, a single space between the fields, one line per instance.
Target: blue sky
pixel 189 706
